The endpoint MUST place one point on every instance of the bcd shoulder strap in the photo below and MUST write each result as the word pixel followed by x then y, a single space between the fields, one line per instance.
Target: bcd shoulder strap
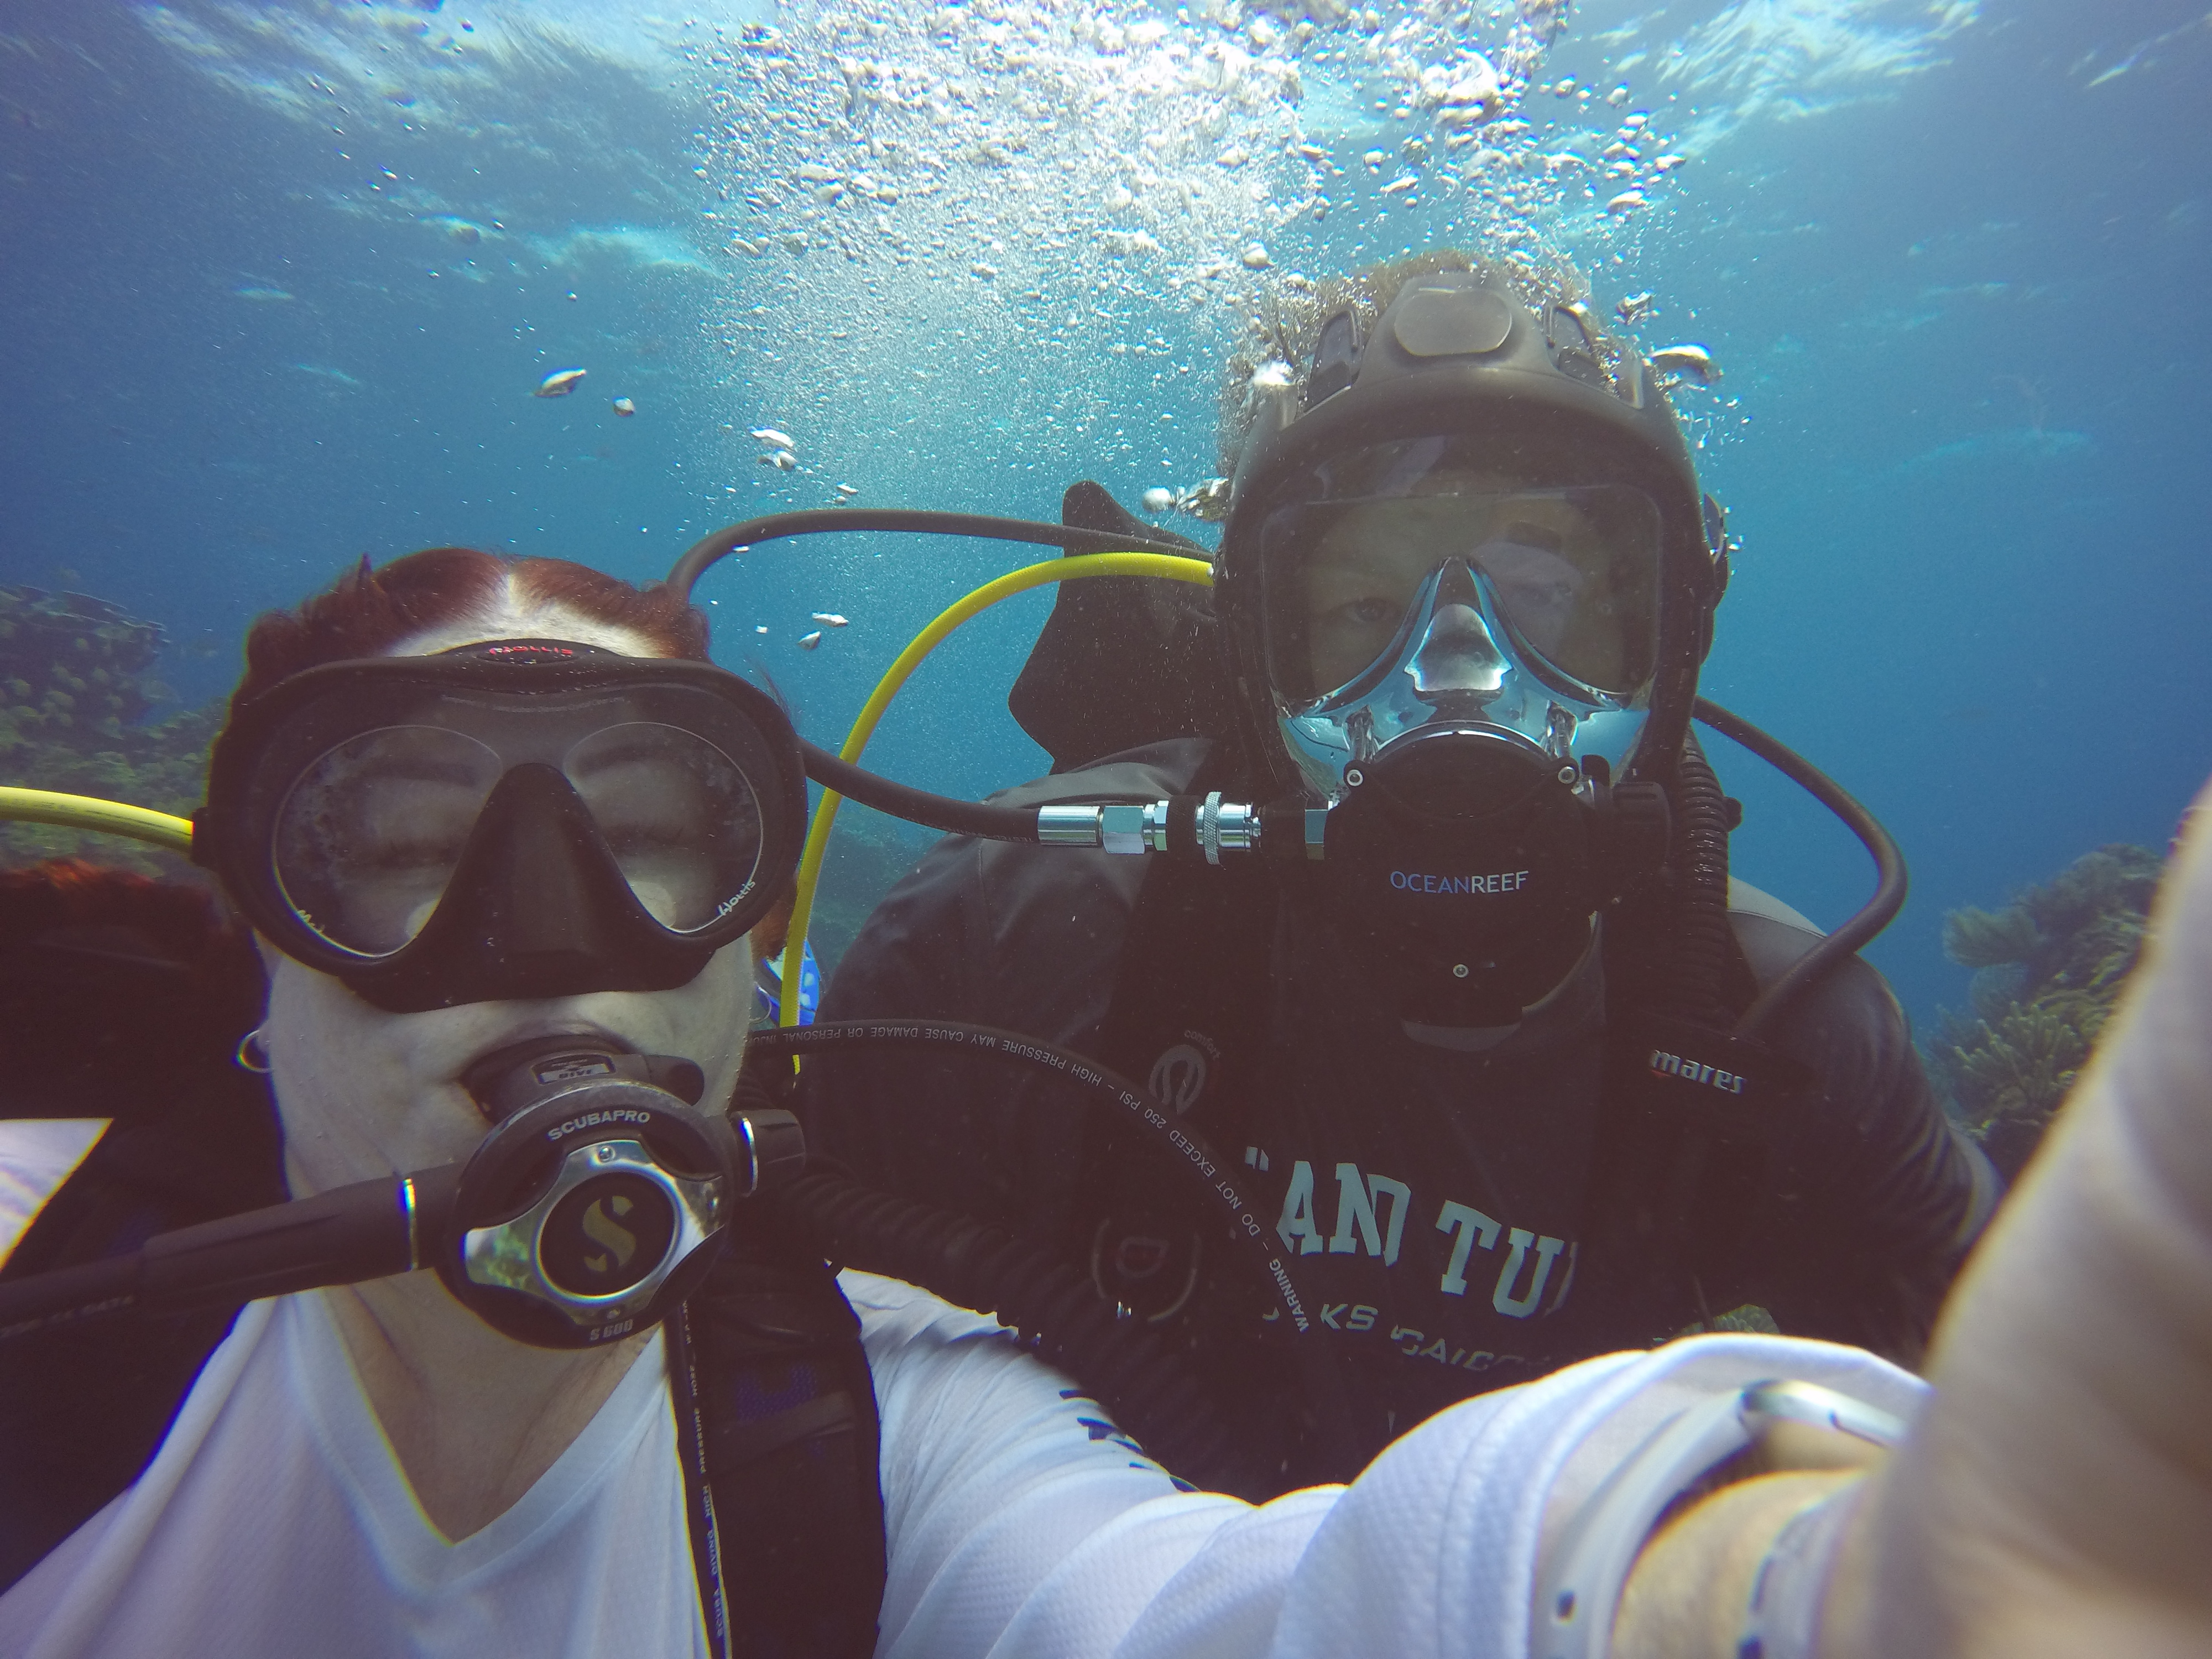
pixel 1683 1172
pixel 778 1434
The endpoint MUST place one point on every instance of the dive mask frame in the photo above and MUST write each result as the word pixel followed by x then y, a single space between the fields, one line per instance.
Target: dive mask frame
pixel 536 904
pixel 1456 661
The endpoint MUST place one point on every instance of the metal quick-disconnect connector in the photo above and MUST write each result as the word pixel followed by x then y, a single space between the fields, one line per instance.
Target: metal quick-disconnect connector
pixel 1119 829
pixel 1218 825
pixel 1229 826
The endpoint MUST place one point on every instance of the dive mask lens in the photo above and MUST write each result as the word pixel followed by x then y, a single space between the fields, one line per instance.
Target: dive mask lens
pixel 1572 571
pixel 511 821
pixel 367 839
pixel 679 816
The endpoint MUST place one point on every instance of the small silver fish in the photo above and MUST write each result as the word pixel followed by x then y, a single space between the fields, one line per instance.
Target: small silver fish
pixel 559 383
pixel 1693 362
pixel 810 641
pixel 830 619
pixel 848 490
pixel 783 460
pixel 768 434
pixel 624 406
pixel 763 628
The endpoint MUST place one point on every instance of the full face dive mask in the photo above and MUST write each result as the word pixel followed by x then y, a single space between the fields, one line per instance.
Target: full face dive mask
pixel 1457 671
pixel 1466 580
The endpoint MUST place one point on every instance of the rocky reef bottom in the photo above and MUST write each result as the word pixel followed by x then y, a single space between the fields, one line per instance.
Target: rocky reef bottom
pixel 76 688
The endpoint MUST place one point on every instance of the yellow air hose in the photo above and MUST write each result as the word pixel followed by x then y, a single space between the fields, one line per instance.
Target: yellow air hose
pixel 1014 581
pixel 84 812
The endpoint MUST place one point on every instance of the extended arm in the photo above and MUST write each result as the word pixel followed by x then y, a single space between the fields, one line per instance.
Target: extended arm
pixel 2052 1498
pixel 2055 1497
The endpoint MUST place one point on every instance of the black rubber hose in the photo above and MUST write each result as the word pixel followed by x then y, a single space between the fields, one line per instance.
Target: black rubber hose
pixel 1205 1173
pixel 1891 882
pixel 958 817
pixel 1317 1363
pixel 1701 941
pixel 1123 1363
pixel 823 521
pixel 370 1229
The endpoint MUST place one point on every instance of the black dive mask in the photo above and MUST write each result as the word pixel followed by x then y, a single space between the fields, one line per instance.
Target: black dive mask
pixel 513 821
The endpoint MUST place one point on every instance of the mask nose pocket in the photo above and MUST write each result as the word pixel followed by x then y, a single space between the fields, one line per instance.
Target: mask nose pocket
pixel 537 908
pixel 1457 668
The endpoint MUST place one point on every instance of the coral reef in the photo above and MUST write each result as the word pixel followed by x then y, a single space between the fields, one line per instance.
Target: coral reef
pixel 74 693
pixel 2050 966
pixel 71 661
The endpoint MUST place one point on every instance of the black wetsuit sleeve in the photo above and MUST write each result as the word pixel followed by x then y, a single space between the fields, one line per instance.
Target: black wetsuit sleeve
pixel 1880 1195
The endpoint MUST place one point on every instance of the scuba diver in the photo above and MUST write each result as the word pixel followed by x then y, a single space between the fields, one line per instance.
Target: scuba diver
pixel 1515 1072
pixel 536 1361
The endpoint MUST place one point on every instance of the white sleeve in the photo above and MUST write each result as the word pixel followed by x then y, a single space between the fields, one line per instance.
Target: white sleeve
pixel 37 1154
pixel 1021 1524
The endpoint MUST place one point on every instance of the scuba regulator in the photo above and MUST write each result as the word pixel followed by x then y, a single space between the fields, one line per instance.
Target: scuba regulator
pixel 594 1206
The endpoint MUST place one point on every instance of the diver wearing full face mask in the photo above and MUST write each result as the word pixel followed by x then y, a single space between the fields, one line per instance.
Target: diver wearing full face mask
pixel 1464 584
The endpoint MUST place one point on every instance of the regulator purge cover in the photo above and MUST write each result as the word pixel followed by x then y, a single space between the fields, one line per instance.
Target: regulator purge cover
pixel 1459 868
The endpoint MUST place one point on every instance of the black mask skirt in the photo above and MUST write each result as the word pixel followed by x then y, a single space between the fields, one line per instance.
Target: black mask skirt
pixel 514 820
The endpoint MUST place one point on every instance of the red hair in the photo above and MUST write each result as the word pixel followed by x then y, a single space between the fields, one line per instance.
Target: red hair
pixel 366 611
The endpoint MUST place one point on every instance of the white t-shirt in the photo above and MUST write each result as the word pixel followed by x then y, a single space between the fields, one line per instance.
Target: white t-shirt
pixel 275 1521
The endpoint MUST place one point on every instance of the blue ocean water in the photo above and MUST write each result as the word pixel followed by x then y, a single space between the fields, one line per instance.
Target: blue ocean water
pixel 277 282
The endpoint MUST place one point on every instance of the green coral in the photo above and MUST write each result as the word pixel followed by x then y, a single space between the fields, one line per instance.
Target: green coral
pixel 74 692
pixel 2051 966
pixel 1990 938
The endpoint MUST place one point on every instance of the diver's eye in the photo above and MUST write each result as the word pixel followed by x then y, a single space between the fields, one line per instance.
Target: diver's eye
pixel 1524 533
pixel 1368 612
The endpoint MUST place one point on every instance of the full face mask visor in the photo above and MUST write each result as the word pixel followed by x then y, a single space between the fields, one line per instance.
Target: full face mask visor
pixel 1405 586
pixel 1572 572
pixel 527 819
